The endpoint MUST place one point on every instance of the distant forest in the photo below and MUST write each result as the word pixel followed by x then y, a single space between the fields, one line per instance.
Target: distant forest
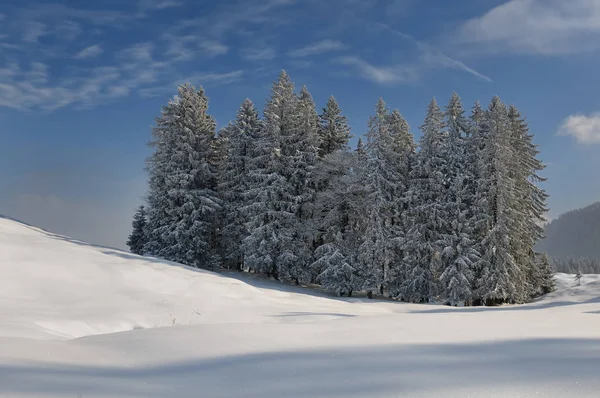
pixel 573 240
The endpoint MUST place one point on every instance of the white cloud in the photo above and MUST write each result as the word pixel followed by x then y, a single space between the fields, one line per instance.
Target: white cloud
pixel 545 27
pixel 379 74
pixel 159 4
pixel 90 52
pixel 431 56
pixel 321 47
pixel 213 48
pixel 258 54
pixel 33 30
pixel 198 79
pixel 585 128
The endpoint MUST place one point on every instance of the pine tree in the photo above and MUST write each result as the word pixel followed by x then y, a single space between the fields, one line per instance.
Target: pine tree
pixel 501 278
pixel 530 205
pixel 334 132
pixel 302 155
pixel 426 218
pixel 402 157
pixel 241 136
pixel 578 277
pixel 138 238
pixel 271 203
pixel 183 177
pixel 458 254
pixel 385 182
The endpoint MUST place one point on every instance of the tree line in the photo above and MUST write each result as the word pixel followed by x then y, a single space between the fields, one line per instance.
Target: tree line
pixel 451 220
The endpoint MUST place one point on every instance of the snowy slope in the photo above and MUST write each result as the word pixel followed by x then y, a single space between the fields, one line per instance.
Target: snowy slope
pixel 81 320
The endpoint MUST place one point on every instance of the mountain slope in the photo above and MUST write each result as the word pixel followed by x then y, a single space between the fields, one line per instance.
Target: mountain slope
pixel 574 234
pixel 81 320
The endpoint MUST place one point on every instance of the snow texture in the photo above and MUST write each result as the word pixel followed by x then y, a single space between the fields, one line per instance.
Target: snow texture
pixel 78 320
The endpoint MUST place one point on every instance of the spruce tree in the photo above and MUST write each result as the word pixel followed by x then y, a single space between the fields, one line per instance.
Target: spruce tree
pixel 458 254
pixel 138 238
pixel 402 155
pixel 501 277
pixel 426 218
pixel 271 202
pixel 241 137
pixel 384 181
pixel 334 132
pixel 183 178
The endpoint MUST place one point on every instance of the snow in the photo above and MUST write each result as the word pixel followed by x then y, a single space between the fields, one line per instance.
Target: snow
pixel 78 320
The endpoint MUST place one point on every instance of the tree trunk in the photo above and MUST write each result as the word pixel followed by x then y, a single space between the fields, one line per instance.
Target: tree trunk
pixel 370 294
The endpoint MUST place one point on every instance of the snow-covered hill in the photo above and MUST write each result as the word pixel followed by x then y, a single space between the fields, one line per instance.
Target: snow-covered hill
pixel 81 320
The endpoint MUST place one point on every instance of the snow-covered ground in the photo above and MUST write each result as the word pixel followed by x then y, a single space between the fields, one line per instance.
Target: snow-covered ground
pixel 78 320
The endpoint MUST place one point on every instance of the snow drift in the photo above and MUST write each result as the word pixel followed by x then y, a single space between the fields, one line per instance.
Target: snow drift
pixel 82 320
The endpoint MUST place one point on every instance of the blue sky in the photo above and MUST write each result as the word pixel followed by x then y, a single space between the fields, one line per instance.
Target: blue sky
pixel 81 83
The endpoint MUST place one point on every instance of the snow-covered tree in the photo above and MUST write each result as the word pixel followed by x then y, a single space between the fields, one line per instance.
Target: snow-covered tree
pixel 183 178
pixel 334 132
pixel 459 254
pixel 385 181
pixel 241 136
pixel 426 219
pixel 530 205
pixel 138 238
pixel 501 278
pixel 271 203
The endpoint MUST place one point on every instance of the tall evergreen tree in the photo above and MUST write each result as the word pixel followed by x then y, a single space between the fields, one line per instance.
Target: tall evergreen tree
pixel 458 254
pixel 385 183
pixel 426 219
pixel 334 132
pixel 272 205
pixel 183 177
pixel 138 238
pixel 530 205
pixel 501 277
pixel 241 137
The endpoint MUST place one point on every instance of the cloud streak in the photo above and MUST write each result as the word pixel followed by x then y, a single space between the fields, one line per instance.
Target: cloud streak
pixel 90 52
pixel 381 75
pixel 321 47
pixel 535 27
pixel 584 128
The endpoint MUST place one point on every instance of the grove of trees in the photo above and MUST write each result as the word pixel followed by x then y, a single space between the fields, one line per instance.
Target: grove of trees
pixel 452 220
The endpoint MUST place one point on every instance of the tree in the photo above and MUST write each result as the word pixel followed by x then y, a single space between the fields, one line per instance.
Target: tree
pixel 530 205
pixel 501 278
pixel 183 178
pixel 334 132
pixel 458 253
pixel 138 238
pixel 426 218
pixel 375 251
pixel 271 203
pixel 241 136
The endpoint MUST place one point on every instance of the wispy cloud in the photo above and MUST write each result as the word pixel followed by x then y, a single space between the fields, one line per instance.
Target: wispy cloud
pixel 198 79
pixel 90 52
pixel 213 48
pixel 380 74
pixel 431 56
pixel 159 4
pixel 584 128
pixel 320 47
pixel 539 27
pixel 258 54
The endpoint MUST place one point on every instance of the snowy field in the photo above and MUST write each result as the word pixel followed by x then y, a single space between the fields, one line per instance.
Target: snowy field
pixel 78 320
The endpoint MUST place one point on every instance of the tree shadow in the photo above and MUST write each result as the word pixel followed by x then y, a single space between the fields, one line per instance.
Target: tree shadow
pixel 546 367
pixel 293 314
pixel 510 307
